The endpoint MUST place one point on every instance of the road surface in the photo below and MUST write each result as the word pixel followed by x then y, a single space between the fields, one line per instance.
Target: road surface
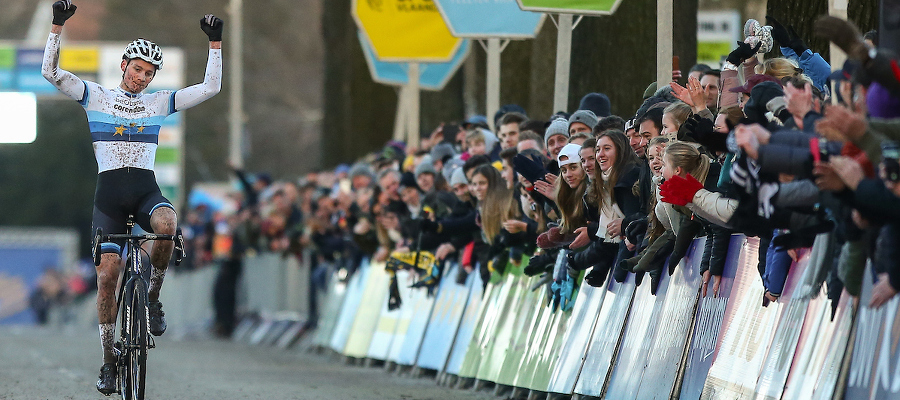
pixel 37 363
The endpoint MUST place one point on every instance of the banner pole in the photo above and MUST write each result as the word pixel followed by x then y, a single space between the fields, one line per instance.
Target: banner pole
pixel 493 80
pixel 413 111
pixel 400 117
pixel 663 42
pixel 563 62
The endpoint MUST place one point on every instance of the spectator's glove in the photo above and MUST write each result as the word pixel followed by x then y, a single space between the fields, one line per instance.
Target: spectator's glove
pixel 63 10
pixel 568 291
pixel 679 191
pixel 597 277
pixel 530 169
pixel 742 52
pixel 844 35
pixel 538 264
pixel 427 225
pixel 786 37
pixel 212 26
pixel 635 230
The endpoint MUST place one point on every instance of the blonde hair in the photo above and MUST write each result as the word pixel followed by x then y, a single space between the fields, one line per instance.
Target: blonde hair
pixel 689 158
pixel 680 111
pixel 475 136
pixel 779 67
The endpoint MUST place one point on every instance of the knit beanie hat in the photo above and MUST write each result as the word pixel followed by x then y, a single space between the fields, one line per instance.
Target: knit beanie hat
pixel 598 103
pixel 441 151
pixel 458 177
pixel 586 117
pixel 426 166
pixel 559 126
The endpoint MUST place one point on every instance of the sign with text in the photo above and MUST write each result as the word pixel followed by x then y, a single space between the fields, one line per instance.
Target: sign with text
pixel 582 7
pixel 405 30
pixel 489 19
pixel 432 76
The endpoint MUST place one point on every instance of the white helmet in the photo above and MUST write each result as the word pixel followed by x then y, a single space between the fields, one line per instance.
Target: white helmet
pixel 145 50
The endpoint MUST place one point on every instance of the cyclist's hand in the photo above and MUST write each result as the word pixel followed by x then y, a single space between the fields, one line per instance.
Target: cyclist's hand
pixel 212 26
pixel 63 10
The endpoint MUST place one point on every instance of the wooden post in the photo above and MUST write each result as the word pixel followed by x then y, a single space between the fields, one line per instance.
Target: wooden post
pixel 493 79
pixel 412 130
pixel 663 42
pixel 837 8
pixel 563 62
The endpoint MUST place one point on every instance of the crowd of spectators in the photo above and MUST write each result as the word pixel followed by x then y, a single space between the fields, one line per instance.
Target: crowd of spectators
pixel 783 149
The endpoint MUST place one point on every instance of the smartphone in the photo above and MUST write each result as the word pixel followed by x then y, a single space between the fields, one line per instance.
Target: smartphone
pixel 675 63
pixel 890 153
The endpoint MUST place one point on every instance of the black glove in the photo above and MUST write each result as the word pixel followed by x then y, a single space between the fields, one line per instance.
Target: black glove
pixel 212 26
pixel 532 170
pixel 597 277
pixel 538 264
pixel 427 225
pixel 779 33
pixel 63 10
pixel 742 52
pixel 786 37
pixel 636 230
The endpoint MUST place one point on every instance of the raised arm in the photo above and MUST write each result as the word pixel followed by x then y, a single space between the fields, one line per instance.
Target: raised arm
pixel 64 80
pixel 212 80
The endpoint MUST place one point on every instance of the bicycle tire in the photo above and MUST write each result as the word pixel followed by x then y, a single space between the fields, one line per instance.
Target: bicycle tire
pixel 134 334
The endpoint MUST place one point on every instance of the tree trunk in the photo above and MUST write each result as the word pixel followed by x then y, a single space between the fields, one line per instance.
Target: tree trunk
pixel 802 15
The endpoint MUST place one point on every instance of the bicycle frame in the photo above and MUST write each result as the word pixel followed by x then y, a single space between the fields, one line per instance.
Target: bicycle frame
pixel 132 303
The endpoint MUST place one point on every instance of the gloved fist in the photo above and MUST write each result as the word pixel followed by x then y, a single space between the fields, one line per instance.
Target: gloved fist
pixel 427 225
pixel 212 26
pixel 742 52
pixel 779 33
pixel 679 191
pixel 63 10
pixel 597 277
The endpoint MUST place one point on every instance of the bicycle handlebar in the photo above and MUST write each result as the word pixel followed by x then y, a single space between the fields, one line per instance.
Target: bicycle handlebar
pixel 149 236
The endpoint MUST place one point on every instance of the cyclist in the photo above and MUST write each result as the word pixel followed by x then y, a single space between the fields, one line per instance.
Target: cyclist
pixel 124 126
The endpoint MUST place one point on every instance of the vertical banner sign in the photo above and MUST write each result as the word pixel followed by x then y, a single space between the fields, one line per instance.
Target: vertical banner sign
pixel 7 67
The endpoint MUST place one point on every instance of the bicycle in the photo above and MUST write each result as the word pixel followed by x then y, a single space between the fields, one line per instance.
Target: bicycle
pixel 134 322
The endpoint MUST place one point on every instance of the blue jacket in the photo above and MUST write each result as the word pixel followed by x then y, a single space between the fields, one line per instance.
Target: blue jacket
pixel 813 65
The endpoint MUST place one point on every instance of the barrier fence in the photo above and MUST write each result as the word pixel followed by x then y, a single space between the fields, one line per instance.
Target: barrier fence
pixel 622 342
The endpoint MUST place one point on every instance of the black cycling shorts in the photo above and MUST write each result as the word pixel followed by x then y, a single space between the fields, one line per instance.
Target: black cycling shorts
pixel 123 192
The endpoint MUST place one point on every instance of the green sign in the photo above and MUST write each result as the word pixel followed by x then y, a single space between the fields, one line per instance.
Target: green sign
pixel 582 7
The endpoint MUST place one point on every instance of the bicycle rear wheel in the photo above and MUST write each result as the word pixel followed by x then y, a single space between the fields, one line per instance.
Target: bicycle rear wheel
pixel 134 337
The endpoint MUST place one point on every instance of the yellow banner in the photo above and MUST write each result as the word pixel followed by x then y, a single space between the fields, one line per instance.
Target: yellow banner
pixel 405 30
pixel 80 59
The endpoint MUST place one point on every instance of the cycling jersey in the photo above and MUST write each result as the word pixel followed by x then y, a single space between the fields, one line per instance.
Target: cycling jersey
pixel 125 126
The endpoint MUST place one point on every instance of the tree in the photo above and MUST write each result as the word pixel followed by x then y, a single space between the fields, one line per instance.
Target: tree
pixel 802 15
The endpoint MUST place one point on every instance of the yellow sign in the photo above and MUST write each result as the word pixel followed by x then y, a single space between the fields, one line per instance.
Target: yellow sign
pixel 405 30
pixel 80 59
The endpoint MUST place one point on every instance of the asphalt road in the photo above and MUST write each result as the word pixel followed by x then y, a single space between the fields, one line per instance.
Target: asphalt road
pixel 40 363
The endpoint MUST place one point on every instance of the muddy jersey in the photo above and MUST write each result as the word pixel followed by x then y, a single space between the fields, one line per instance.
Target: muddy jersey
pixel 124 126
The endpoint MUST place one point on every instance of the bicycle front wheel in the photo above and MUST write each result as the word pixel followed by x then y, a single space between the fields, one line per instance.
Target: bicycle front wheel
pixel 134 335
